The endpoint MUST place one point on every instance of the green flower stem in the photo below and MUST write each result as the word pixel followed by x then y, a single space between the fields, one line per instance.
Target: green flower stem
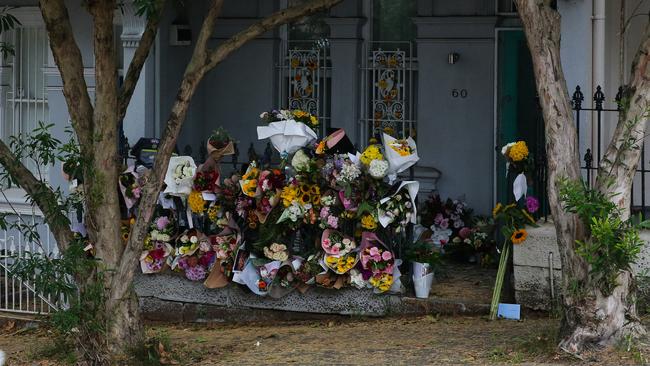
pixel 496 295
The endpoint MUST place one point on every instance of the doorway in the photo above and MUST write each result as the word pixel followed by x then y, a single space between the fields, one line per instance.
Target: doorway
pixel 518 114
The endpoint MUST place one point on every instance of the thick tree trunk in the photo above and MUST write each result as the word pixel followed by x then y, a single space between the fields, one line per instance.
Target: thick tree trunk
pixel 590 317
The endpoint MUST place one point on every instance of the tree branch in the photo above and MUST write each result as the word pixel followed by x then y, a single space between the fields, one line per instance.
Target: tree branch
pixel 139 58
pixel 201 62
pixel 194 72
pixel 40 194
pixel 278 18
pixel 619 164
pixel 70 64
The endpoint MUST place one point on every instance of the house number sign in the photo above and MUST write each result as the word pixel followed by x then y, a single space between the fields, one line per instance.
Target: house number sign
pixel 459 93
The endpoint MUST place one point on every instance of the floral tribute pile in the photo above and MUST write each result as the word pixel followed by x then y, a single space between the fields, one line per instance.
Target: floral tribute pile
pixel 325 216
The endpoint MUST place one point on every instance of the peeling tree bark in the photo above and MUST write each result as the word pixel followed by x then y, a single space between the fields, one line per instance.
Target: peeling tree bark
pixel 590 318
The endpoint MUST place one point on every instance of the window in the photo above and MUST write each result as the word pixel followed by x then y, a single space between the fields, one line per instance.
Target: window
pixel 392 20
pixel 22 82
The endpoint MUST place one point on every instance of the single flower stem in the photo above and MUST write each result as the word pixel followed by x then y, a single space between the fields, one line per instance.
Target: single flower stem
pixel 496 295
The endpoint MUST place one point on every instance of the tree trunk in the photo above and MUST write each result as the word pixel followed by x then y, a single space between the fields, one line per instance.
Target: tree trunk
pixel 590 318
pixel 619 164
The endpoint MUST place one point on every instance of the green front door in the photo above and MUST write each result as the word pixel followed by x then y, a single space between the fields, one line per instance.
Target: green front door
pixel 518 113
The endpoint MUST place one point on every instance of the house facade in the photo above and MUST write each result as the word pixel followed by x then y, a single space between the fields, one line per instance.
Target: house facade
pixel 456 75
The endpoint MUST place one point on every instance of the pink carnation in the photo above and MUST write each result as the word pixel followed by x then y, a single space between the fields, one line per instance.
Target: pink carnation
pixel 162 222
pixel 386 255
pixel 333 222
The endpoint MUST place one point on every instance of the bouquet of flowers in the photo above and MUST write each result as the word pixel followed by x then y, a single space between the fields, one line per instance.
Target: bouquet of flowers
pixel 154 260
pixel 248 181
pixel 206 181
pixel 377 262
pixel 518 162
pixel 180 175
pixel 220 144
pixel 287 130
pixel 189 242
pixel 276 252
pixel 196 266
pixel 335 243
pixel 286 279
pixel 335 143
pixel 130 186
pixel 341 172
pixel 401 154
pixel 162 229
pixel 400 206
pixel 269 184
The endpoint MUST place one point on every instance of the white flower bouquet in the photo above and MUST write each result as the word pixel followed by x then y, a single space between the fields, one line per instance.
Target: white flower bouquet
pixel 401 154
pixel 180 175
pixel 399 205
pixel 287 136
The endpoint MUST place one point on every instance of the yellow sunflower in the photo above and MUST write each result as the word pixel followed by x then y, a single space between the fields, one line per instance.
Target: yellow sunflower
pixel 519 236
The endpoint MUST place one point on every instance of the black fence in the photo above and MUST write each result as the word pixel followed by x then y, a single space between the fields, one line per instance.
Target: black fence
pixel 596 127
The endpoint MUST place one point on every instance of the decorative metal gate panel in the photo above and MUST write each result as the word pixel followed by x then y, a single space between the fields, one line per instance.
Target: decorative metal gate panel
pixel 389 91
pixel 304 78
pixel 20 295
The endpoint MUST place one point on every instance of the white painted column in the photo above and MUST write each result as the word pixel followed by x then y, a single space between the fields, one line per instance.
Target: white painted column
pixel 345 53
pixel 135 119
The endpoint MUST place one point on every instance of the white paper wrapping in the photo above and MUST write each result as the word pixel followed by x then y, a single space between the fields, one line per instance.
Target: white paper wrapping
pixel 396 162
pixel 519 187
pixel 412 186
pixel 287 136
pixel 184 187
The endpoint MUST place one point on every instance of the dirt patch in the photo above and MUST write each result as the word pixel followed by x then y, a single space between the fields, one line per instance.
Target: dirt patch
pixel 419 340
pixel 464 282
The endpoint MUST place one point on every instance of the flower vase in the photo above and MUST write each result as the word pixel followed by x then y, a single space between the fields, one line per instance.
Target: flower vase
pixel 422 279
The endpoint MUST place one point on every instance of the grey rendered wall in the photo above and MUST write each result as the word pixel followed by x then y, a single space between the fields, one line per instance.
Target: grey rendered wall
pixel 456 134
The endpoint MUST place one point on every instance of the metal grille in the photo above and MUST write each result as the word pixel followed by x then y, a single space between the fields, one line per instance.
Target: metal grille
pixel 304 75
pixel 389 91
pixel 22 83
pixel 19 295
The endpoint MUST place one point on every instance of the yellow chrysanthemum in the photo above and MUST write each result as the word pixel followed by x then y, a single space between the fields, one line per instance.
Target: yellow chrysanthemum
pixel 368 222
pixel 518 151
pixel 519 236
pixel 196 202
pixel 288 195
pixel 371 153
pixel 314 120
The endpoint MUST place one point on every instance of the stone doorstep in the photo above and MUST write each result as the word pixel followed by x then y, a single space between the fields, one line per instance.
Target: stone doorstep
pixel 171 298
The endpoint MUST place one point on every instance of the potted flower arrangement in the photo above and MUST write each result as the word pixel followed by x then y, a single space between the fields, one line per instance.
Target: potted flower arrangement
pixel 425 258
pixel 220 144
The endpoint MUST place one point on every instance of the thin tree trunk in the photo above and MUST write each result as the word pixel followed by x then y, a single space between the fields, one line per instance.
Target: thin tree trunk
pixel 589 316
pixel 619 164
